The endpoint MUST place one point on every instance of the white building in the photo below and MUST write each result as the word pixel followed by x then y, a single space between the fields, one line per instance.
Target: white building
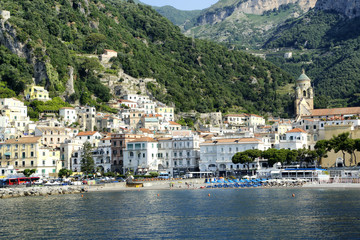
pixel 93 137
pixel 128 103
pixel 147 107
pixel 16 113
pixel 48 162
pixel 294 139
pixel 179 155
pixel 216 155
pixel 67 150
pixel 235 119
pixel 136 98
pixel 140 156
pixel 100 154
pixel 68 114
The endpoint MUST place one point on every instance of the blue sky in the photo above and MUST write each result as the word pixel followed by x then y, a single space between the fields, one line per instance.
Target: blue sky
pixel 182 4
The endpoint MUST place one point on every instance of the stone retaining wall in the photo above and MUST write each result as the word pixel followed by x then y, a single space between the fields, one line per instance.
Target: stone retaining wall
pixel 40 191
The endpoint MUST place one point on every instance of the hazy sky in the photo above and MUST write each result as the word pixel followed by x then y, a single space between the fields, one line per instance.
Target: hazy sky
pixel 182 4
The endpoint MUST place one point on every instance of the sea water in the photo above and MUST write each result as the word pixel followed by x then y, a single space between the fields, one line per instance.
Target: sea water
pixel 186 214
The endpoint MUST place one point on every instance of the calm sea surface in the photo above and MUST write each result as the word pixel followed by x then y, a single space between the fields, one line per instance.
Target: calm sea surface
pixel 186 214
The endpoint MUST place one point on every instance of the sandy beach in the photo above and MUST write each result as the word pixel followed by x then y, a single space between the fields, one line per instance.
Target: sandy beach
pixel 196 184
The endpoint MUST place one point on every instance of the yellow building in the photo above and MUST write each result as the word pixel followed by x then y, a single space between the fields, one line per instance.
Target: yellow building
pixel 48 163
pixel 29 153
pixel 36 93
pixel 166 112
pixel 20 153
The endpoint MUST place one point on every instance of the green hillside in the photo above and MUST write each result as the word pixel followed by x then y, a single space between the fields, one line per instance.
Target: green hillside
pixel 332 43
pixel 177 17
pixel 193 74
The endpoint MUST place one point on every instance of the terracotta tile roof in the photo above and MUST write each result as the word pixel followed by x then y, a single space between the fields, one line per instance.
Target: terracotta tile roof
pixel 164 138
pixel 106 138
pixel 236 115
pixel 70 108
pixel 145 130
pixel 109 50
pixel 174 123
pixel 23 140
pixel 254 115
pixel 335 111
pixel 125 101
pixel 234 140
pixel 296 130
pixel 144 139
pixel 88 133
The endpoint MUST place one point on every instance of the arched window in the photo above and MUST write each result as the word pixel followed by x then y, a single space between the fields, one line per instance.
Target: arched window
pixel 304 93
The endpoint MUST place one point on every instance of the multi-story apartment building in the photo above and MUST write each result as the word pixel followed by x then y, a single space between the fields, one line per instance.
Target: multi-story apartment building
pixel 118 145
pixel 140 156
pixel 294 139
pixel 67 149
pixel 53 136
pixel 166 112
pixel 86 116
pixel 48 162
pixel 93 137
pixel 37 93
pixel 20 154
pixel 179 155
pixel 68 114
pixel 216 155
pixel 101 155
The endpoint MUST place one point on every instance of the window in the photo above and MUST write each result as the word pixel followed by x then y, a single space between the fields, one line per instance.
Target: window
pixel 43 162
pixel 32 163
pixel 23 155
pixel 23 163
pixel 43 153
pixel 131 154
pixel 32 154
pixel 54 162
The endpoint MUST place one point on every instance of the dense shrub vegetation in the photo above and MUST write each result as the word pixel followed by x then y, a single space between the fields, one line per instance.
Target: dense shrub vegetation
pixel 193 74
pixel 334 43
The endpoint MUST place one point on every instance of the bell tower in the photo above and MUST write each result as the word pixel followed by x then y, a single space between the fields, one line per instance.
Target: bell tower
pixel 304 94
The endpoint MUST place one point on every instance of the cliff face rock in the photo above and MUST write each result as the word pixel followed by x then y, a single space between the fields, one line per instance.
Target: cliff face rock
pixel 8 38
pixel 349 8
pixel 258 7
pixel 215 16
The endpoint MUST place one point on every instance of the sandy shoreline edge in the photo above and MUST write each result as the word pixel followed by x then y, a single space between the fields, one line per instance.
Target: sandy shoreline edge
pixel 197 186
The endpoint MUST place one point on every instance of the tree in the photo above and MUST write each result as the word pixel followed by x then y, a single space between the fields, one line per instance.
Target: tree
pixel 93 40
pixel 340 143
pixel 322 147
pixel 243 158
pixel 65 172
pixel 302 155
pixel 246 157
pixel 274 155
pixel 87 161
pixel 28 172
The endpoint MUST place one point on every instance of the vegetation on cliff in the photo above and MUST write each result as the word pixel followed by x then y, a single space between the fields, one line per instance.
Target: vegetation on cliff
pixel 330 46
pixel 193 74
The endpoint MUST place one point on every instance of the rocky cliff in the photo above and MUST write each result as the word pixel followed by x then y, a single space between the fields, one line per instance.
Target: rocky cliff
pixel 349 8
pixel 258 7
pixel 220 12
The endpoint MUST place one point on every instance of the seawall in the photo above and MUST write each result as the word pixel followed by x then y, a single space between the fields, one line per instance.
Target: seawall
pixel 39 191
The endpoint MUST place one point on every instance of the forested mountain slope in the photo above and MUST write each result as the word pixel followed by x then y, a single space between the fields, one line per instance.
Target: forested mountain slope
pixel 332 43
pixel 55 36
